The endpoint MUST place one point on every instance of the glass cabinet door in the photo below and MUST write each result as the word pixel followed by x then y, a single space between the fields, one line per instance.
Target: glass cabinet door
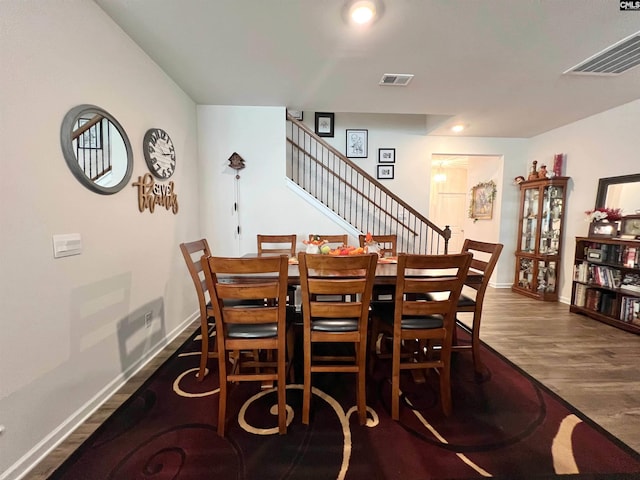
pixel 529 220
pixel 546 280
pixel 551 220
pixel 526 274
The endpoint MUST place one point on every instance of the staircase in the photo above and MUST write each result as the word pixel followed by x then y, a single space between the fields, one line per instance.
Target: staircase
pixel 356 196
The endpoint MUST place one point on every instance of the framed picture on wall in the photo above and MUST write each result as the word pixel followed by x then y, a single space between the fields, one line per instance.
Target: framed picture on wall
pixel 482 196
pixel 385 172
pixel 357 143
pixel 386 155
pixel 324 124
pixel 297 114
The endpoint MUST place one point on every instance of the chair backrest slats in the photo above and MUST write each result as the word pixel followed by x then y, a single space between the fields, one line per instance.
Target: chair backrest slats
pixel 192 253
pixel 388 243
pixel 441 284
pixel 485 258
pixel 277 244
pixel 343 276
pixel 226 283
pixel 340 239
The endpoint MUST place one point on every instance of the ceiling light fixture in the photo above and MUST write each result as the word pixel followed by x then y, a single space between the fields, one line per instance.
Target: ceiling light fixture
pixel 457 128
pixel 362 12
pixel 440 176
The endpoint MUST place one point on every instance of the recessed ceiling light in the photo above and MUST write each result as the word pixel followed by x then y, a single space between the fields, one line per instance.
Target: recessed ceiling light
pixel 457 128
pixel 362 12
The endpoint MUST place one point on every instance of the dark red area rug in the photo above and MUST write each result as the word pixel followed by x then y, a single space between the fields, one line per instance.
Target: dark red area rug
pixel 507 426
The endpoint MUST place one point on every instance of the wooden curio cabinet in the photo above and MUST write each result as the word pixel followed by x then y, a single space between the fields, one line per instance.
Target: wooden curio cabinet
pixel 539 237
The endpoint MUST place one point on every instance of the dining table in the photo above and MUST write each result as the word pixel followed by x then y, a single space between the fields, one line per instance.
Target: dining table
pixel 386 272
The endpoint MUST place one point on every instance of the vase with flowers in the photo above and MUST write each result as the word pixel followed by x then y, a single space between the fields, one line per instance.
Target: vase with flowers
pixel 600 214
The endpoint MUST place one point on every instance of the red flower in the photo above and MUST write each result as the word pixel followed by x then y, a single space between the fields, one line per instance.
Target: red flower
pixel 611 214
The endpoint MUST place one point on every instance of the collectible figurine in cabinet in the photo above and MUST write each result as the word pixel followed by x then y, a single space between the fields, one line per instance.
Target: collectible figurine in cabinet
pixel 542 173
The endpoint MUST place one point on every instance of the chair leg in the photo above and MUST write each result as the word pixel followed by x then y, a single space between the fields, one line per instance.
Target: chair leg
pixel 395 379
pixel 455 332
pixel 222 396
pixel 306 390
pixel 445 381
pixel 282 392
pixel 204 351
pixel 475 343
pixel 373 341
pixel 362 371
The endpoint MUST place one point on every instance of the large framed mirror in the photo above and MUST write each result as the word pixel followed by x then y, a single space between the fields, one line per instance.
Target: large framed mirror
pixel 620 192
pixel 96 149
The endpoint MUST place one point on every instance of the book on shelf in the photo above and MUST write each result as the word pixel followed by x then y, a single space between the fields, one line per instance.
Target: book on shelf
pixel 607 303
pixel 592 301
pixel 580 295
pixel 581 272
pixel 630 310
pixel 631 281
pixel 630 256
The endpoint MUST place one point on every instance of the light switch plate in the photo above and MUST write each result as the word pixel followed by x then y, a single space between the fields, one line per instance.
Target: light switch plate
pixel 67 245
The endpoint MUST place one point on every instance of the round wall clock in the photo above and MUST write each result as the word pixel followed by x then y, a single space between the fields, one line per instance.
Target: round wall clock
pixel 159 153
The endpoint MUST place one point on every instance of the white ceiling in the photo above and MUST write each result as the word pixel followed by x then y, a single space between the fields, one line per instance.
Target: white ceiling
pixel 494 65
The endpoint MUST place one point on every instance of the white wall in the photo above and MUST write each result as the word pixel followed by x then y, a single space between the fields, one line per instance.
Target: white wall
pixel 70 328
pixel 603 145
pixel 265 202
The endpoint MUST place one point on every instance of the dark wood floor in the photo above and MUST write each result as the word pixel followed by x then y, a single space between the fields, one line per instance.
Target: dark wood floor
pixel 591 365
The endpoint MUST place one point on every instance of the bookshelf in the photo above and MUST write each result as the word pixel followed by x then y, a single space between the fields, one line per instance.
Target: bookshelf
pixel 606 281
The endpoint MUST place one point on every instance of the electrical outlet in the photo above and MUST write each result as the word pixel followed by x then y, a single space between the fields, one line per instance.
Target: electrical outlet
pixel 147 319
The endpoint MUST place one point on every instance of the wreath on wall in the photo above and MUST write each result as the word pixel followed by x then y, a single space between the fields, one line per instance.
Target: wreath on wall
pixel 482 196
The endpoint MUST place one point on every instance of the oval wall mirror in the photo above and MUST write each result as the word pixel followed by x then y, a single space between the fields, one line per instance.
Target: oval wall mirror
pixel 96 149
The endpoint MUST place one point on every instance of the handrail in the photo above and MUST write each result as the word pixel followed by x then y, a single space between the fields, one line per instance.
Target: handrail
pixel 356 196
pixel 348 185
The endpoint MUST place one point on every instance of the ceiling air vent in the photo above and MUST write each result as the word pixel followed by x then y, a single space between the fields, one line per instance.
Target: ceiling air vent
pixel 396 79
pixel 614 60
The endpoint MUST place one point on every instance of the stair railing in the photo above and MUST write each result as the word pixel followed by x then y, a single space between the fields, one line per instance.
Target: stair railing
pixel 356 196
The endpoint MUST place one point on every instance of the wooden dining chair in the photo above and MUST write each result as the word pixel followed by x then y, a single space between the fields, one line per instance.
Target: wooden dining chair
pixel 335 240
pixel 485 258
pixel 244 327
pixel 193 253
pixel 277 244
pixel 427 320
pixel 334 322
pixel 388 244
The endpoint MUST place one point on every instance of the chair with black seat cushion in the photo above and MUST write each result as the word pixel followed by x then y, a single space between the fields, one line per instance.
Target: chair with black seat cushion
pixel 485 257
pixel 192 253
pixel 245 327
pixel 423 313
pixel 329 323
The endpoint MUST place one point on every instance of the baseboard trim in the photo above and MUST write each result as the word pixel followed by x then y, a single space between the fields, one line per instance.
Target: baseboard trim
pixel 66 428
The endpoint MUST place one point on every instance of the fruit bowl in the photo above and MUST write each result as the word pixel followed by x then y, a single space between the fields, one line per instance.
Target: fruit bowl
pixel 348 250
